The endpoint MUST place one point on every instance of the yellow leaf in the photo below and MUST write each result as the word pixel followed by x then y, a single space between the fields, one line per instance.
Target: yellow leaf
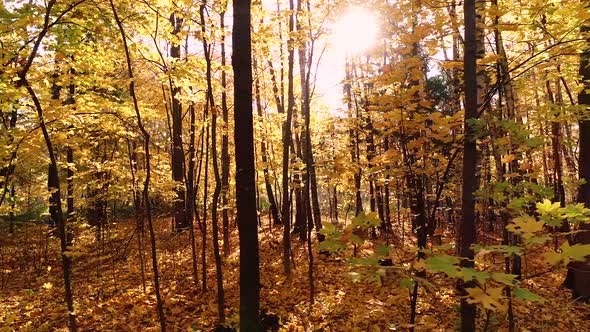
pixel 525 226
pixel 490 299
pixel 48 285
pixel 508 158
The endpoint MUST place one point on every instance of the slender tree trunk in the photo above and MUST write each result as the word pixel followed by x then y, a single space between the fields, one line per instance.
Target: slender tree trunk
pixel 264 156
pixel 285 213
pixel 555 150
pixel 131 147
pixel 224 142
pixel 55 203
pixel 11 213
pixel 205 198
pixel 190 193
pixel 245 184
pixel 214 157
pixel 146 184
pixel 353 138
pixel 6 171
pixel 55 207
pixel 305 62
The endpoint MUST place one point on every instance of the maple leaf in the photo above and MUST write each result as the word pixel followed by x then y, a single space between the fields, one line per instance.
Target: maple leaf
pixel 525 225
pixel 550 212
pixel 490 299
pixel 444 263
pixel 577 252
pixel 524 294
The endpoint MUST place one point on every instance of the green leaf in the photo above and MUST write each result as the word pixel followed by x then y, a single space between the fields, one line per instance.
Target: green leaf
pixel 538 240
pixel 504 249
pixel 382 250
pixel 328 228
pixel 365 261
pixel 407 283
pixel 576 213
pixel 363 220
pixel 468 274
pixel 553 258
pixel 524 294
pixel 504 278
pixel 577 252
pixel 444 263
pixel 550 213
pixel 356 239
pixel 332 245
pixel 517 204
pixel 547 207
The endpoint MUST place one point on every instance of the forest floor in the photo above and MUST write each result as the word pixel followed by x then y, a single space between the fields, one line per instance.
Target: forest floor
pixel 109 295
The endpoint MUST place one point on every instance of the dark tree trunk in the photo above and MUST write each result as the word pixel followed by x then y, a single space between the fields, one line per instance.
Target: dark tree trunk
pixel 146 183
pixel 6 171
pixel 70 184
pixel 467 227
pixel 224 142
pixel 11 213
pixel 274 211
pixel 180 220
pixel 132 147
pixel 205 198
pixel 55 207
pixel 245 184
pixel 191 194
pixel 578 276
pixel 217 191
pixel 287 141
pixel 558 187
pixel 55 204
pixel 353 138
pixel 311 187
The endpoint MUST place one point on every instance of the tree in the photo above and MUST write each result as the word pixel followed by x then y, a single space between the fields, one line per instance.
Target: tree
pixel 146 183
pixel 53 183
pixel 180 215
pixel 287 141
pixel 245 182
pixel 579 272
pixel 467 226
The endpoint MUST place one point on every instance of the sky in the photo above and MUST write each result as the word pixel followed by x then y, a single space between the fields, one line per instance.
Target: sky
pixel 353 32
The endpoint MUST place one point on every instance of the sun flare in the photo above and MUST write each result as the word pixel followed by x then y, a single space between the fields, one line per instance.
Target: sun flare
pixel 355 31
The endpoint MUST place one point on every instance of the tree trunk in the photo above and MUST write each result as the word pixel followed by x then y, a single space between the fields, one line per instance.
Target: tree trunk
pixel 265 160
pixel 579 273
pixel 146 183
pixel 224 141
pixel 180 220
pixel 467 227
pixel 287 141
pixel 217 191
pixel 245 184
pixel 6 171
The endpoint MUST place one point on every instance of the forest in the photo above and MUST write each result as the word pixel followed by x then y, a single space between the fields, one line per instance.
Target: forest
pixel 295 165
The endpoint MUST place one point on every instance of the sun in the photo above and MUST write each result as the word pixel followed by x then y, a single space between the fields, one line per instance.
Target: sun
pixel 355 31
